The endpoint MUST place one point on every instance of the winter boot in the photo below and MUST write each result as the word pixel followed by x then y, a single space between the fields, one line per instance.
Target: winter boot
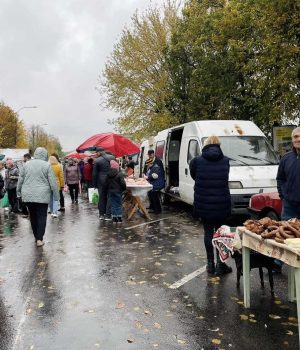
pixel 222 268
pixel 210 267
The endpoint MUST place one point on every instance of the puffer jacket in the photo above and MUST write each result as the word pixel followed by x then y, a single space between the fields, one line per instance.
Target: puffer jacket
pixel 59 175
pixel 210 171
pixel 156 177
pixel 115 181
pixel 11 178
pixel 37 180
pixel 72 174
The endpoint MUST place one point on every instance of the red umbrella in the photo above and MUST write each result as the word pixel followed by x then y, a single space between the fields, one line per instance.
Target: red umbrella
pixel 115 143
pixel 76 155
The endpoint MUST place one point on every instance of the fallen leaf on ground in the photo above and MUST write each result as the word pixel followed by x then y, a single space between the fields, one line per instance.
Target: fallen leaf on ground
pixel 155 345
pixel 138 325
pixel 252 320
pixel 274 317
pixel 214 330
pixel 293 319
pixel 216 341
pixel 182 342
pixel 147 312
pixel 244 317
pixel 130 340
pixel 120 305
pixel 157 325
pixel 289 333
pixel 41 305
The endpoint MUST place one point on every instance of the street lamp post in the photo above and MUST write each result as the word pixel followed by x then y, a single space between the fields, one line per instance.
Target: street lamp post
pixel 25 107
pixel 16 136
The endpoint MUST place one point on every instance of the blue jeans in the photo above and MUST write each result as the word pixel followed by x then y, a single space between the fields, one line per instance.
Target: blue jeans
pixel 116 204
pixel 289 210
pixel 53 205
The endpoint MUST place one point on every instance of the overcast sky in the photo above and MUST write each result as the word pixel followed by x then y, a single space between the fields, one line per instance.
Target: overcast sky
pixel 51 56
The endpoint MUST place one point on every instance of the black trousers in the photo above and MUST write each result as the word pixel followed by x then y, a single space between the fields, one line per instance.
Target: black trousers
pixel 154 199
pixel 12 198
pixel 210 227
pixel 74 189
pixel 61 199
pixel 38 218
pixel 104 204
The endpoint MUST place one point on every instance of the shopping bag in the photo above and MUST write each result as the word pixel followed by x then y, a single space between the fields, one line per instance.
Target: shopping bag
pixel 66 188
pixel 4 203
pixel 91 193
pixel 95 198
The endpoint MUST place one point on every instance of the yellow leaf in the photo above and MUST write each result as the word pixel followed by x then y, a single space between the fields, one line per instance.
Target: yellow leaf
pixel 120 305
pixel 244 317
pixel 182 342
pixel 274 317
pixel 41 305
pixel 216 341
pixel 253 321
pixel 138 325
pixel 157 325
pixel 289 333
pixel 293 319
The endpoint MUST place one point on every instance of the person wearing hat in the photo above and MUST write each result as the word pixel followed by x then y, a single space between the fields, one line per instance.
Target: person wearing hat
pixel 154 160
pixel 155 176
pixel 11 181
pixel 100 171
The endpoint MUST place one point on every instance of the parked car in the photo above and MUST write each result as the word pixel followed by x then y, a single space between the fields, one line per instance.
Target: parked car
pixel 265 205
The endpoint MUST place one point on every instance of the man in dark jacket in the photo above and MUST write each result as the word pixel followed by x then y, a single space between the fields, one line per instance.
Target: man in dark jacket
pixel 212 201
pixel 100 171
pixel 288 179
pixel 155 177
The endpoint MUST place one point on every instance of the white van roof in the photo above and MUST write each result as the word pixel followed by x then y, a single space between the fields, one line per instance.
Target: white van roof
pixel 222 128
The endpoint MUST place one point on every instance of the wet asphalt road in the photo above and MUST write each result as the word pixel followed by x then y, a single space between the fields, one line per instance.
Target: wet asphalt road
pixel 98 286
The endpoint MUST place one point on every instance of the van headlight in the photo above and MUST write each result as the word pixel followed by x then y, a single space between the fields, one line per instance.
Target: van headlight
pixel 235 185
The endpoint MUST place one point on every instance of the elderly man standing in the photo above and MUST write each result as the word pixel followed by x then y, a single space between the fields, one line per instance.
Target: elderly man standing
pixel 100 171
pixel 288 179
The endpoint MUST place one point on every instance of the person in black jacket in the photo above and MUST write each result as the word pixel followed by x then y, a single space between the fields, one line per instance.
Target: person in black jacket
pixel 116 185
pixel 212 201
pixel 100 171
pixel 288 179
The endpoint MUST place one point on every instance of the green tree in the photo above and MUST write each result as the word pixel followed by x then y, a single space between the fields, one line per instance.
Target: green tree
pixel 236 60
pixel 135 80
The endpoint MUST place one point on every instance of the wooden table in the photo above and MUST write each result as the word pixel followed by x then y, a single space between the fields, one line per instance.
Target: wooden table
pixel 133 202
pixel 269 247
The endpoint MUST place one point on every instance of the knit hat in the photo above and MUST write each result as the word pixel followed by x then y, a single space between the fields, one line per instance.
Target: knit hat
pixel 114 164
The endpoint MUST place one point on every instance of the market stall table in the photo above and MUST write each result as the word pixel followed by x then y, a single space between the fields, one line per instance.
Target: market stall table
pixel 133 201
pixel 269 247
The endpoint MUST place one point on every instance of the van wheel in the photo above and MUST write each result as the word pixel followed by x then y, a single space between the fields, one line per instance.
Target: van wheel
pixel 165 199
pixel 272 215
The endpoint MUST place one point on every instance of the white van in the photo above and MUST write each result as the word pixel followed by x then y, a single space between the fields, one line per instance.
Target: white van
pixel 253 162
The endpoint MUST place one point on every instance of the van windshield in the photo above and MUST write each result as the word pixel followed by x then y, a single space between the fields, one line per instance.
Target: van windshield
pixel 247 150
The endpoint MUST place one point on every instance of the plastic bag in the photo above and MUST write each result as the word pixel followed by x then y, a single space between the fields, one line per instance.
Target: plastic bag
pixel 91 193
pixel 95 198
pixel 4 203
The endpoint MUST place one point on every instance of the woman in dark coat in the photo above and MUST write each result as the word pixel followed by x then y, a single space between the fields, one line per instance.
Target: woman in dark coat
pixel 212 202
